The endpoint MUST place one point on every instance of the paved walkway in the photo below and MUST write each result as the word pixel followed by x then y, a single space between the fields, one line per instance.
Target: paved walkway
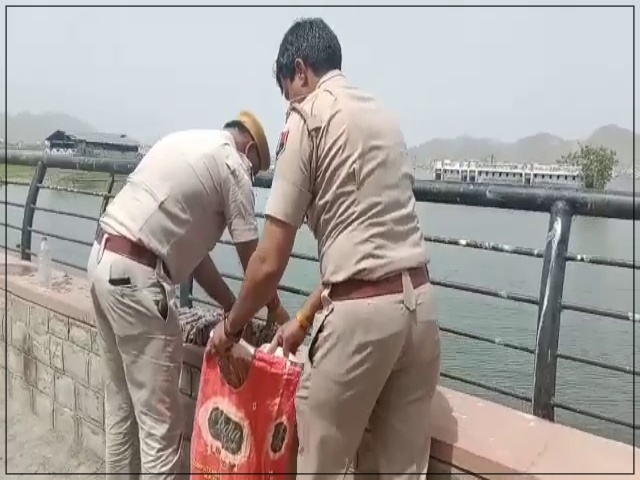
pixel 32 450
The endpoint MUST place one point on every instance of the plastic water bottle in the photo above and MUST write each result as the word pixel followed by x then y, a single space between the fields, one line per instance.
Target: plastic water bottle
pixel 44 264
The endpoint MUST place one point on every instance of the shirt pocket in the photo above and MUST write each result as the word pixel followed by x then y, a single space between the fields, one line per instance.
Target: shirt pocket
pixel 145 200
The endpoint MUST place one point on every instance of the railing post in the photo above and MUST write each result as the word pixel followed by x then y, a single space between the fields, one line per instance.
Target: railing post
pixel 29 211
pixel 186 290
pixel 549 310
pixel 105 200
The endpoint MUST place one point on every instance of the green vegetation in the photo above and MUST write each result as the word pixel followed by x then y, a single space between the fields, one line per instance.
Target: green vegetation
pixel 92 181
pixel 16 172
pixel 596 163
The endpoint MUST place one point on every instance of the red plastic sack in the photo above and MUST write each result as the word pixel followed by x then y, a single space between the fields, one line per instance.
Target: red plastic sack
pixel 251 430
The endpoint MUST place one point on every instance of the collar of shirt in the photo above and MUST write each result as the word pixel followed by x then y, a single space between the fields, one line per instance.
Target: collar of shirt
pixel 331 75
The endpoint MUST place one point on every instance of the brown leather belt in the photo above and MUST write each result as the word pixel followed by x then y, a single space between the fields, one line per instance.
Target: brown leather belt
pixel 357 289
pixel 127 248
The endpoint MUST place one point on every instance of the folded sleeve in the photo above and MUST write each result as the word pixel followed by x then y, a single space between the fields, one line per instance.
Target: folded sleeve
pixel 290 191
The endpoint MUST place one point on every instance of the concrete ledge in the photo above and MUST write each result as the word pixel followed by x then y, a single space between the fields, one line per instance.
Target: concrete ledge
pixel 53 368
pixel 18 267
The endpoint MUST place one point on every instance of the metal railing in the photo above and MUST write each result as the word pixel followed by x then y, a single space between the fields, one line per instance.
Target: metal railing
pixel 562 205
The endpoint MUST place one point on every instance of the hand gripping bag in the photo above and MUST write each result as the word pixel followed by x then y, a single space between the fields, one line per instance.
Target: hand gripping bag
pixel 248 431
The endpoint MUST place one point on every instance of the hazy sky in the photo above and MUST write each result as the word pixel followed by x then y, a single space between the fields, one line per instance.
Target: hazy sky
pixel 494 72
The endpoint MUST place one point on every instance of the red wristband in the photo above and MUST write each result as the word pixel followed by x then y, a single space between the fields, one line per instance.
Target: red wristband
pixel 234 337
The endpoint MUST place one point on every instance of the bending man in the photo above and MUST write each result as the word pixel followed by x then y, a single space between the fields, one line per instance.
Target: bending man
pixel 156 233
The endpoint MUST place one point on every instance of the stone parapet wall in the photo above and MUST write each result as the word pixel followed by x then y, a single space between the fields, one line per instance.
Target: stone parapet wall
pixel 54 369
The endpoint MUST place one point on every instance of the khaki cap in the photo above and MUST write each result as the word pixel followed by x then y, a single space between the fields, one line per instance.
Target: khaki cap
pixel 254 126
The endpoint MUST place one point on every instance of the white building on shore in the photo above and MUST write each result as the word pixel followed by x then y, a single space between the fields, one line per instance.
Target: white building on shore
pixel 476 171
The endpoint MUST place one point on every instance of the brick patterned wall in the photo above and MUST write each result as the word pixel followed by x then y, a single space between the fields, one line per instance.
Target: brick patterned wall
pixel 54 369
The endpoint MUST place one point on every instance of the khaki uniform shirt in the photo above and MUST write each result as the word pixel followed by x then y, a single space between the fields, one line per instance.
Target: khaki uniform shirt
pixel 182 195
pixel 343 163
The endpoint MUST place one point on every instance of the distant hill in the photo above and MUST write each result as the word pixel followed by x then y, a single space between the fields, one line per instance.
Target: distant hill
pixel 30 128
pixel 540 148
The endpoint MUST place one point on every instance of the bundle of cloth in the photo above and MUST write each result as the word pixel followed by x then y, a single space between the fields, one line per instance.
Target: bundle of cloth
pixel 196 324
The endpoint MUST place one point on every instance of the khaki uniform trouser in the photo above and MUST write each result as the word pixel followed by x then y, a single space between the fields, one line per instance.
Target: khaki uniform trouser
pixel 369 378
pixel 141 351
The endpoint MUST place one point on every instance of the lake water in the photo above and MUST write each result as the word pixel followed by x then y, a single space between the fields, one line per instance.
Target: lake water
pixel 602 339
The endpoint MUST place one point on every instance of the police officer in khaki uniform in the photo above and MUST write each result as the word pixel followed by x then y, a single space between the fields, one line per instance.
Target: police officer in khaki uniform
pixel 156 233
pixel 373 363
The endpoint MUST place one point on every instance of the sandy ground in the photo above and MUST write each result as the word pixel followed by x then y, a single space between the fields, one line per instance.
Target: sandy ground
pixel 32 451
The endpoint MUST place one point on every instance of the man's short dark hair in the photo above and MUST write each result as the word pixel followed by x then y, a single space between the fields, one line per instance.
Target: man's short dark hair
pixel 237 125
pixel 312 41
